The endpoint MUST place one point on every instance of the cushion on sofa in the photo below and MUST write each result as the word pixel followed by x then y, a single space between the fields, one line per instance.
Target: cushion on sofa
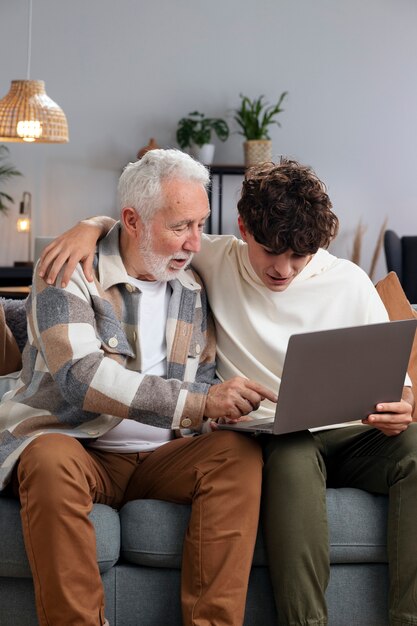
pixel 354 538
pixel 13 559
pixel 399 308
pixel 147 543
pixel 357 526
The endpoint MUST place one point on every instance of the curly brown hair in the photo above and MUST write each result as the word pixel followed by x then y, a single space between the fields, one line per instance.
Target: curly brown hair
pixel 285 206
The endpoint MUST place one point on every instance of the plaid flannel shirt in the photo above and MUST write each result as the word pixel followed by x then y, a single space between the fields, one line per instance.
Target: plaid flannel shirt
pixel 81 366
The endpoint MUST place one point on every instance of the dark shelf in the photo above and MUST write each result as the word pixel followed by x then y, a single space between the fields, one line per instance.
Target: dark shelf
pixel 227 169
pixel 15 276
pixel 220 171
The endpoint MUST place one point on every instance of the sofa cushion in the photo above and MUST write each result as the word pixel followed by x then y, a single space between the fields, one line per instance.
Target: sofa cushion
pixel 153 531
pixel 357 526
pixel 13 559
pixel 399 308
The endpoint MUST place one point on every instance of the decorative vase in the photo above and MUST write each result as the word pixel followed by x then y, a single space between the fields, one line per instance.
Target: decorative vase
pixel 257 151
pixel 152 145
pixel 204 153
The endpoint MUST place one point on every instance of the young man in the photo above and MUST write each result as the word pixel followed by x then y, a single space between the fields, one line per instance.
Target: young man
pixel 278 281
pixel 113 369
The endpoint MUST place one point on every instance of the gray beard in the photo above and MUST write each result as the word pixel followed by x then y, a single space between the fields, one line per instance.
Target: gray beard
pixel 157 264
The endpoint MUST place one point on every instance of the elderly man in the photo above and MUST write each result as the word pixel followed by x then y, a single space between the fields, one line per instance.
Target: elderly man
pixel 112 370
pixel 280 280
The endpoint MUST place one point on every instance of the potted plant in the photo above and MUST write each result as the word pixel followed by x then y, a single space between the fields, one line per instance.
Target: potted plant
pixel 6 172
pixel 254 118
pixel 194 133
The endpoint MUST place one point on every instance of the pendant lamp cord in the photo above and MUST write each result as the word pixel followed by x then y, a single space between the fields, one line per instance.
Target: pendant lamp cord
pixel 29 40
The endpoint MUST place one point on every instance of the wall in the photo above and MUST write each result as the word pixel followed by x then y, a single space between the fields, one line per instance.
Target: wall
pixel 126 71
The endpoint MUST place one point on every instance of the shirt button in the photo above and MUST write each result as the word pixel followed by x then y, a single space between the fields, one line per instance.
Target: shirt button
pixel 129 287
pixel 93 432
pixel 186 422
pixel 135 335
pixel 198 349
pixel 113 342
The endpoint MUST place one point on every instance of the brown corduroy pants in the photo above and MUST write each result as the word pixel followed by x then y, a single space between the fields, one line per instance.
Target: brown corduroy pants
pixel 218 473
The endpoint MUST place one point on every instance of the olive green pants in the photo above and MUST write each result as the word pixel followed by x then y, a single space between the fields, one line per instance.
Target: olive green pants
pixel 298 467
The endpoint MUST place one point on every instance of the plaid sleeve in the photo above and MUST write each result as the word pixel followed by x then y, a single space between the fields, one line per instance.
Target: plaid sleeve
pixel 91 374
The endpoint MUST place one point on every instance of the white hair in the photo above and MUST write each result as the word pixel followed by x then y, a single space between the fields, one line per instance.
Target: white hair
pixel 140 185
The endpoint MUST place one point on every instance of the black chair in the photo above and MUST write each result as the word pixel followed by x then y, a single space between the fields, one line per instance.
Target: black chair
pixel 401 258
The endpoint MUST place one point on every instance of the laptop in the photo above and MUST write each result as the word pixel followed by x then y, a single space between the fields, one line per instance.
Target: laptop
pixel 335 376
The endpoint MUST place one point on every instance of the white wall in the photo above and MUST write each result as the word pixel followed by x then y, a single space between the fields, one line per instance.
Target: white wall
pixel 127 70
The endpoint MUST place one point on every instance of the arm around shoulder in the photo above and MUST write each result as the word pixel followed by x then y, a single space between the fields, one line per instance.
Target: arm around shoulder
pixel 76 245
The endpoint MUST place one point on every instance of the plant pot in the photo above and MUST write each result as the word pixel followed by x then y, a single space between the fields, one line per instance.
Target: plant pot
pixel 257 151
pixel 204 153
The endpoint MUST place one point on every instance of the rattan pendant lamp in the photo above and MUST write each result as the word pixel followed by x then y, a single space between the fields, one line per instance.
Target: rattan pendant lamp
pixel 27 113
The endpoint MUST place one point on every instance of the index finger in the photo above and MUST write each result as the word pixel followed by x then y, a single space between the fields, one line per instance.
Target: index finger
pixel 70 265
pixel 262 390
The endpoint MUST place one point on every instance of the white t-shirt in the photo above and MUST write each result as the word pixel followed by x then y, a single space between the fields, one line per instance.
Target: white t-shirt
pixel 129 435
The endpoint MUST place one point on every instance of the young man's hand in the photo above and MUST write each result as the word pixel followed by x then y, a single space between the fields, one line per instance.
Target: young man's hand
pixel 392 418
pixel 236 397
pixel 76 245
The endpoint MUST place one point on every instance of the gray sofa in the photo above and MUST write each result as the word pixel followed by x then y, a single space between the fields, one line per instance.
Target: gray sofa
pixel 139 555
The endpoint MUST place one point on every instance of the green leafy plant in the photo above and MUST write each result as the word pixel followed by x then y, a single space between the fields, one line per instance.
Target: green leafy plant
pixel 197 129
pixel 255 116
pixel 6 172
